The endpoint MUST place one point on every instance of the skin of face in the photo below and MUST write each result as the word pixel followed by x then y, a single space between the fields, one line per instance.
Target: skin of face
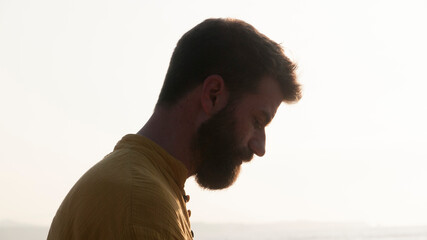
pixel 234 134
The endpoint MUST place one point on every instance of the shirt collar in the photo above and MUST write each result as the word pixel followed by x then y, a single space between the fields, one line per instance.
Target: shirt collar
pixel 157 155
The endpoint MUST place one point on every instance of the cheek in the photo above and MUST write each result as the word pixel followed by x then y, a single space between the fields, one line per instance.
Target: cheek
pixel 244 133
pixel 244 126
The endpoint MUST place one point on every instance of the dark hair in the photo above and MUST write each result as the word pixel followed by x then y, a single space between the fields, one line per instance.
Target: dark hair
pixel 233 49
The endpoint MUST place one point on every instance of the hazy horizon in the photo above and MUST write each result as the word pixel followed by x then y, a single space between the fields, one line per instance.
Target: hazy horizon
pixel 281 230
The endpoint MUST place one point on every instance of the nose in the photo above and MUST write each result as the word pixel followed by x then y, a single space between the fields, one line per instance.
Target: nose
pixel 257 143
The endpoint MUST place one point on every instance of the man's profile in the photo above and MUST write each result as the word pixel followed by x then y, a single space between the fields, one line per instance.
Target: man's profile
pixel 224 84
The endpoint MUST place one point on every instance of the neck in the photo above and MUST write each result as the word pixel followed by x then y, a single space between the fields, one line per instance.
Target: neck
pixel 173 129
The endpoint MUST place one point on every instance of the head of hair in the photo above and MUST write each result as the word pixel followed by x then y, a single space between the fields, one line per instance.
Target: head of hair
pixel 233 49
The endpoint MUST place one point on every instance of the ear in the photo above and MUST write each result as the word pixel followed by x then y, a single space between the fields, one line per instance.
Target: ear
pixel 214 95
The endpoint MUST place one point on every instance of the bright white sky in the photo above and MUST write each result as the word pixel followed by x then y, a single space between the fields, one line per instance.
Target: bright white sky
pixel 75 76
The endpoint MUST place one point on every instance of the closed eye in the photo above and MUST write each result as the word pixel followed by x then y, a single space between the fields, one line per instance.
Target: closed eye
pixel 258 124
pixel 262 120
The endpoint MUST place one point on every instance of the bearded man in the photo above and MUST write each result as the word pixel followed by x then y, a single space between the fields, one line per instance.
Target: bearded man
pixel 224 84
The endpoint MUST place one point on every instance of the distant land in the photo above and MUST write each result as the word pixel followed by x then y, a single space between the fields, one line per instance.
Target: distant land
pixel 10 230
pixel 303 230
pixel 306 230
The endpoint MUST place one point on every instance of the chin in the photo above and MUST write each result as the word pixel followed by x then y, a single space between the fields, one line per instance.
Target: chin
pixel 215 181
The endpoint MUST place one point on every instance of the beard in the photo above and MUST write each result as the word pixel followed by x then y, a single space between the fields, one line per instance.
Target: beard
pixel 218 153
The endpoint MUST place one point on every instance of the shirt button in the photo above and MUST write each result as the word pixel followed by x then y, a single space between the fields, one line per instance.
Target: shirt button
pixel 189 213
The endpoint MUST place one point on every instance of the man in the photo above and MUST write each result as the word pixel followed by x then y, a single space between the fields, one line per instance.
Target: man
pixel 223 86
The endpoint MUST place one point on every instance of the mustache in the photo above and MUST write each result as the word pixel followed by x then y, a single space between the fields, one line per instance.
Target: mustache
pixel 246 155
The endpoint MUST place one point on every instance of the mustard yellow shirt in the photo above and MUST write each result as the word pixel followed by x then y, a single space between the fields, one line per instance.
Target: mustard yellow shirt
pixel 135 192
